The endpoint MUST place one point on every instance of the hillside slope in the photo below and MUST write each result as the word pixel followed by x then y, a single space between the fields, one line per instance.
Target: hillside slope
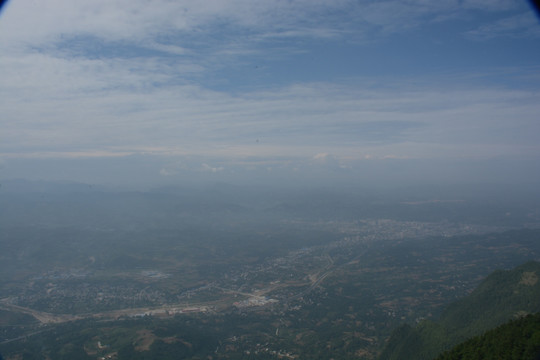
pixel 502 296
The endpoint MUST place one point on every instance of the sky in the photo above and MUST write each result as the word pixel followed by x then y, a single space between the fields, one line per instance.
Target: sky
pixel 319 92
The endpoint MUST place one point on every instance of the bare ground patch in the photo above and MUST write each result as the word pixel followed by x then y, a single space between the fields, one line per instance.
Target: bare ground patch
pixel 144 340
pixel 529 278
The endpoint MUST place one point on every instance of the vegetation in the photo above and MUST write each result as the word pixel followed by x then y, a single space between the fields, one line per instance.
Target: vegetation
pixel 502 296
pixel 516 340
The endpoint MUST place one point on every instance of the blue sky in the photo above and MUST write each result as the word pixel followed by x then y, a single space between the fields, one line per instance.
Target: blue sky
pixel 159 92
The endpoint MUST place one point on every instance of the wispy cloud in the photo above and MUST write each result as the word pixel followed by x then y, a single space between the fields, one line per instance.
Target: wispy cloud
pixel 133 116
pixel 191 23
pixel 517 26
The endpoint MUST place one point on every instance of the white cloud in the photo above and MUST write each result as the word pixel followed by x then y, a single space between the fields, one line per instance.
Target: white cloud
pixel 321 156
pixel 206 167
pixel 165 172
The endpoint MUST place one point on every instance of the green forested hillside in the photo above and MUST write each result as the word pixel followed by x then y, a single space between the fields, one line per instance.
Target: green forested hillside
pixel 516 340
pixel 502 296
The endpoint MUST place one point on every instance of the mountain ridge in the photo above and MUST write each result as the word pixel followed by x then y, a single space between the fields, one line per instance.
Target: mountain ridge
pixel 504 295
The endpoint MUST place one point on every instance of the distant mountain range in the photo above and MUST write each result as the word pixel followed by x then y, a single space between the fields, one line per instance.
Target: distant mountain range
pixel 501 297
